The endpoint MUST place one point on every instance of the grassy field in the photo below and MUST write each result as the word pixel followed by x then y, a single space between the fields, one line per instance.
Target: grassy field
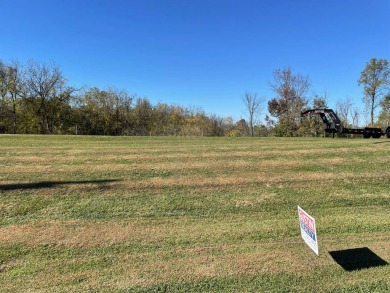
pixel 129 214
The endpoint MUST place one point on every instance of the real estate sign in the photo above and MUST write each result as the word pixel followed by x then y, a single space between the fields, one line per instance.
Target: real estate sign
pixel 308 229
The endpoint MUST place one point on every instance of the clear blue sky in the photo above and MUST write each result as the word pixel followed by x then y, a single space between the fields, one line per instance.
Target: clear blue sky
pixel 204 53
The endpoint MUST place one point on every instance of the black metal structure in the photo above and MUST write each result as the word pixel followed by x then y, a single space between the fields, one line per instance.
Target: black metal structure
pixel 333 125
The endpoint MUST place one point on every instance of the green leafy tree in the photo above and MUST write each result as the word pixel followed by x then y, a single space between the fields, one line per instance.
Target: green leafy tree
pixel 375 79
pixel 384 116
pixel 218 125
pixel 143 111
pixel 241 128
pixel 105 112
pixel 313 124
pixel 160 119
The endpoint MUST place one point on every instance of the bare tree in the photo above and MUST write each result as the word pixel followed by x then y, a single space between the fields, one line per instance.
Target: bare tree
pixel 253 106
pixel 288 85
pixel 344 109
pixel 355 115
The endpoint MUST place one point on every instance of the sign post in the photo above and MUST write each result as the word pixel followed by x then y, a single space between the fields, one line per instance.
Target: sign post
pixel 308 229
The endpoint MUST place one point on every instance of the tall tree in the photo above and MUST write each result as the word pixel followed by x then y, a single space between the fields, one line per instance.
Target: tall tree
pixel 47 93
pixel 375 79
pixel 242 128
pixel 291 90
pixel 253 105
pixel 160 119
pixel 3 97
pixel 143 113
pixel 11 90
pixel 15 88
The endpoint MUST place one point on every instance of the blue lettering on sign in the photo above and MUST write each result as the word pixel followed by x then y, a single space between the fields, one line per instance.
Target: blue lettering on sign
pixel 308 231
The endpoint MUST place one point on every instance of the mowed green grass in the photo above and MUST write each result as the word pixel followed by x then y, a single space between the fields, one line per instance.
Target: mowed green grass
pixel 157 214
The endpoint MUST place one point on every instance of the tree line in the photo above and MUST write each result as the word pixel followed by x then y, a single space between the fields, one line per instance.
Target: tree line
pixel 36 98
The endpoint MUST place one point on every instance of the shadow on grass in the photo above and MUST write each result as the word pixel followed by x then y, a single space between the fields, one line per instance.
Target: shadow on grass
pixel 380 142
pixel 50 184
pixel 357 259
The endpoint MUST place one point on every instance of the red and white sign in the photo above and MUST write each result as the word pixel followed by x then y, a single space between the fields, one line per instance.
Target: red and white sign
pixel 308 229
